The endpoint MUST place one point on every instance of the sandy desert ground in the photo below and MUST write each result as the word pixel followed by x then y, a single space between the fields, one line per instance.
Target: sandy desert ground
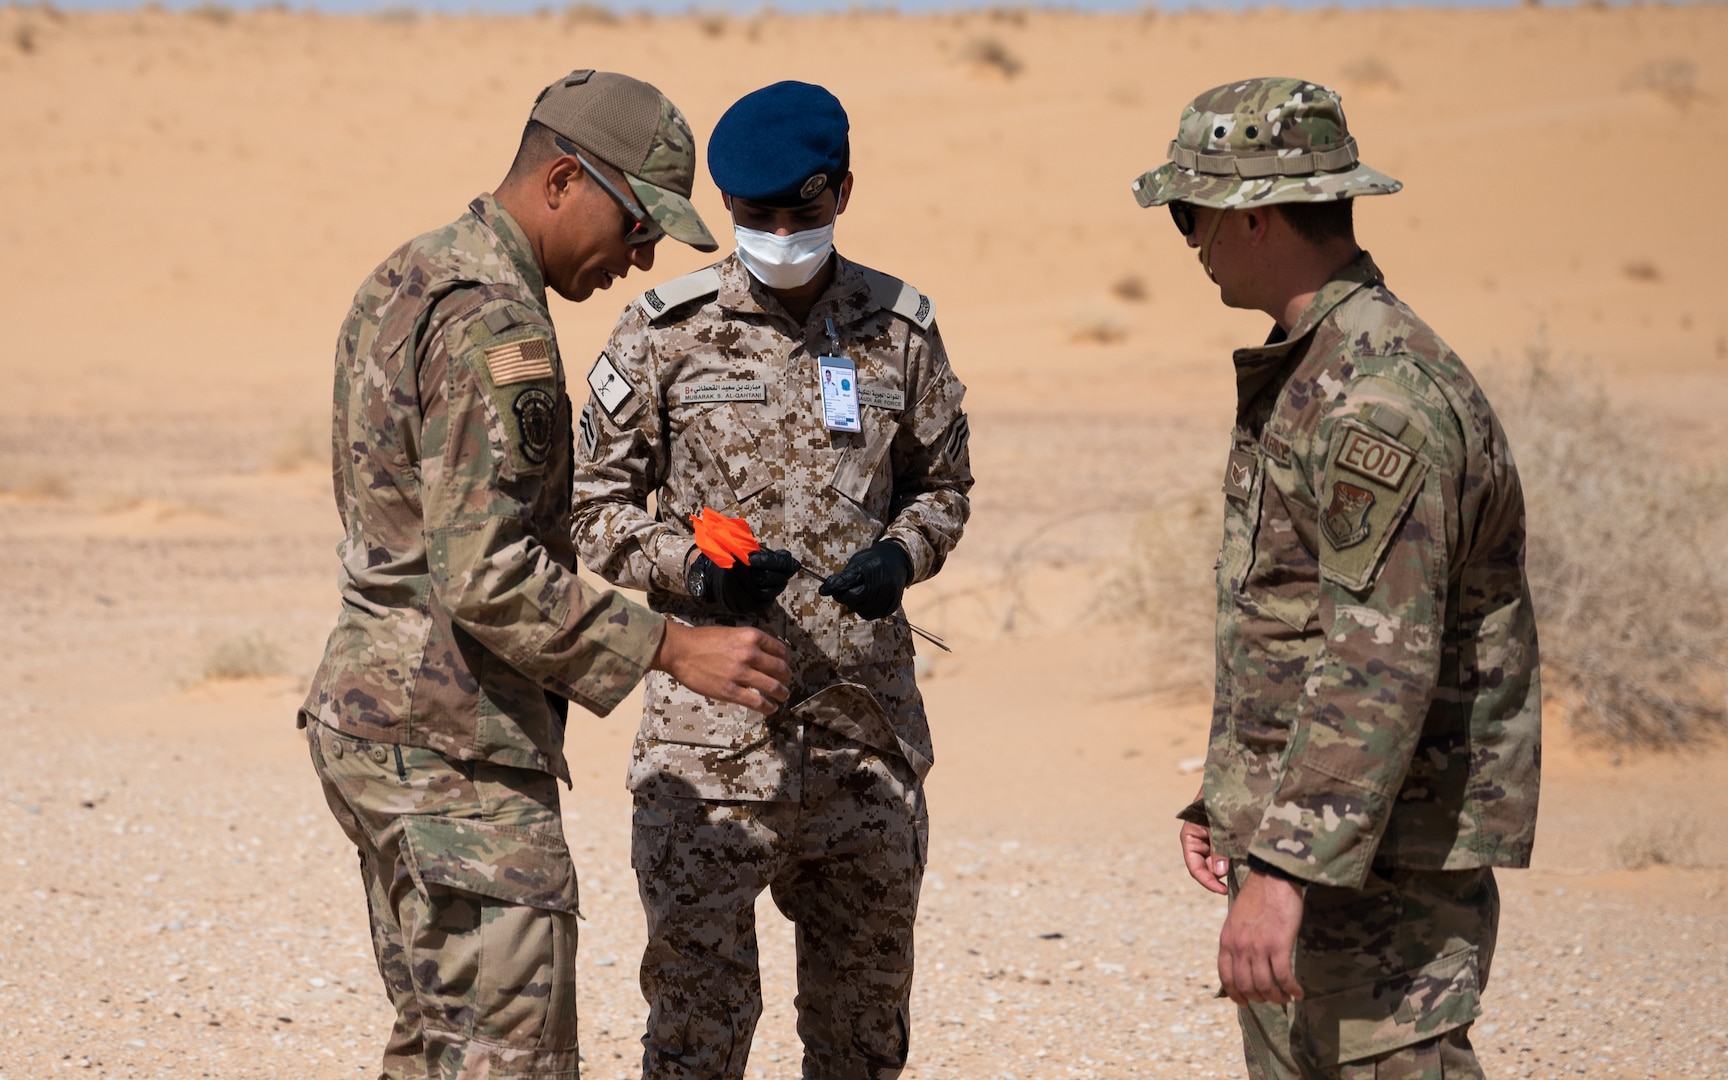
pixel 190 200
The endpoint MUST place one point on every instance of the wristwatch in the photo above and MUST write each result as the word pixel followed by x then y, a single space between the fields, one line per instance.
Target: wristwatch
pixel 695 581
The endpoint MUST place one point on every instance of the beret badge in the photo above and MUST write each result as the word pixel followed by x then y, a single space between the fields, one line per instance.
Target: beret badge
pixel 813 186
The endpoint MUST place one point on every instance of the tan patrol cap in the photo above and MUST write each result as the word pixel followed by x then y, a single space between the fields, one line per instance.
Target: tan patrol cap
pixel 633 127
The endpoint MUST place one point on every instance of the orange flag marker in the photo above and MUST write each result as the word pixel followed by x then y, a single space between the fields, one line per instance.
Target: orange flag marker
pixel 725 540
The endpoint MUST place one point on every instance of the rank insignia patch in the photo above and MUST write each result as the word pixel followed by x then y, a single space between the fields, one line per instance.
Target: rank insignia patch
pixel 1239 475
pixel 1346 518
pixel 519 361
pixel 535 409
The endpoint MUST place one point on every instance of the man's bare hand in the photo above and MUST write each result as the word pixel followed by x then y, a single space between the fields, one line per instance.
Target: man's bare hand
pixel 1208 869
pixel 1259 936
pixel 738 664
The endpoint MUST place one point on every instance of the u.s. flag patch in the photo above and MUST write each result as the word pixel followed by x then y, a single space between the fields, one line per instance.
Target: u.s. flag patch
pixel 519 361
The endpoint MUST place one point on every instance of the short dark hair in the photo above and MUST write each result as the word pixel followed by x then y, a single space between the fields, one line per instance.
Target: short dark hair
pixel 1321 222
pixel 538 146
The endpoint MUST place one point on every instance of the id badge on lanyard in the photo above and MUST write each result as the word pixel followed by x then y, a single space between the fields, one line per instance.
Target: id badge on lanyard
pixel 839 378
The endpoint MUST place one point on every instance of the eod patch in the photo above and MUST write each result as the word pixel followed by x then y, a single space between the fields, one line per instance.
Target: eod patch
pixel 1370 483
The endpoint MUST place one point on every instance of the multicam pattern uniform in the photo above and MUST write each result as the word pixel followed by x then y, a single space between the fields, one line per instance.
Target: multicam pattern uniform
pixel 707 395
pixel 1377 704
pixel 461 617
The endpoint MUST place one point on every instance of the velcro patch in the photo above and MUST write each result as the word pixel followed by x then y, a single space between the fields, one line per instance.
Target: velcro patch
pixel 1277 447
pixel 1374 458
pixel 536 412
pixel 697 393
pixel 1239 474
pixel 609 386
pixel 882 397
pixel 958 437
pixel 1371 482
pixel 519 361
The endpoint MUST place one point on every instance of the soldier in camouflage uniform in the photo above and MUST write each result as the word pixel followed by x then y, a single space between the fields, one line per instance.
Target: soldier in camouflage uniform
pixel 436 720
pixel 709 394
pixel 1376 734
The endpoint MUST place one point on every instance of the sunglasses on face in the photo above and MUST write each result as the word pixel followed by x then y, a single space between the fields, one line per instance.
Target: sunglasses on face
pixel 640 228
pixel 1183 215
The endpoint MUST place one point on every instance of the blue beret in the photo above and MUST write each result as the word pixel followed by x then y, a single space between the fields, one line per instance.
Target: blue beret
pixel 782 144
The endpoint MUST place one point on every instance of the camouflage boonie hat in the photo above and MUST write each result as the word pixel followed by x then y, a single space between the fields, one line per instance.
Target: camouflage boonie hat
pixel 1262 141
pixel 633 127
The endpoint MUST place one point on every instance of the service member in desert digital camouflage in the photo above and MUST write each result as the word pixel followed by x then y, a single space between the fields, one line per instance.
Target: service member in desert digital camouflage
pixel 436 720
pixel 812 397
pixel 1375 742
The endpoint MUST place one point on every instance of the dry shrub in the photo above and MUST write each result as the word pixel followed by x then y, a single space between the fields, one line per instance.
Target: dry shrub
pixel 38 485
pixel 1672 842
pixel 249 656
pixel 1167 590
pixel 712 24
pixel 1132 288
pixel 989 55
pixel 1674 80
pixel 400 15
pixel 307 444
pixel 1370 72
pixel 1642 270
pixel 1625 561
pixel 24 38
pixel 1097 328
pixel 589 14
pixel 214 14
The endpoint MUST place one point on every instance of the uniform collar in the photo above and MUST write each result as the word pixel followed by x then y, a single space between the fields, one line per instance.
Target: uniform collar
pixel 849 290
pixel 512 241
pixel 1259 365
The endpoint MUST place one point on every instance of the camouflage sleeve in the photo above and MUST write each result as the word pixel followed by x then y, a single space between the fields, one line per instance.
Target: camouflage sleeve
pixel 1383 468
pixel 489 403
pixel 621 458
pixel 932 462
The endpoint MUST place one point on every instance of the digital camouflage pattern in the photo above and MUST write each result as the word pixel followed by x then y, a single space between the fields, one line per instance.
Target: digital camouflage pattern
pixel 1392 975
pixel 472 899
pixel 1377 696
pixel 712 399
pixel 1262 141
pixel 844 863
pixel 462 620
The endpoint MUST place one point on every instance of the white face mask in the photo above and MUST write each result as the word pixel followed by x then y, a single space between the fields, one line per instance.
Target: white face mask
pixel 784 262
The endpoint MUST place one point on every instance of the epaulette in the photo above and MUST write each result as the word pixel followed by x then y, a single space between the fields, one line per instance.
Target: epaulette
pixel 902 299
pixel 679 291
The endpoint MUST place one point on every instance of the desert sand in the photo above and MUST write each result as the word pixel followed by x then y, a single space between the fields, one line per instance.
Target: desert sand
pixel 190 201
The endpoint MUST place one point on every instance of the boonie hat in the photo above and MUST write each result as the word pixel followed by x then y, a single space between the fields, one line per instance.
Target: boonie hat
pixel 633 127
pixel 782 145
pixel 1262 141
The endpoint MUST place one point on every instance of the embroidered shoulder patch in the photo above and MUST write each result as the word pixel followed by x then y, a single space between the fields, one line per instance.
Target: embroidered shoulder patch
pixel 519 361
pixel 609 386
pixel 1239 475
pixel 1371 482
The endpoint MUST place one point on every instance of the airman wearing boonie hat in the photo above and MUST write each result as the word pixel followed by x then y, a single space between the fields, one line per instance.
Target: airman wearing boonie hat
pixel 1377 721
pixel 811 396
pixel 436 720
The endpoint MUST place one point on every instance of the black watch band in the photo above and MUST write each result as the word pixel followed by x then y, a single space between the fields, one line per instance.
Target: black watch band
pixel 696 581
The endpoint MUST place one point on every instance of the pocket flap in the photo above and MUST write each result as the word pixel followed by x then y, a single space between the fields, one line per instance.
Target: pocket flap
pixel 1392 1013
pixel 524 866
pixel 852 711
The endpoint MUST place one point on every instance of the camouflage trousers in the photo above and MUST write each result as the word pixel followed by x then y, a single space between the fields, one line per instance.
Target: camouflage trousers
pixel 472 897
pixel 1391 976
pixel 844 863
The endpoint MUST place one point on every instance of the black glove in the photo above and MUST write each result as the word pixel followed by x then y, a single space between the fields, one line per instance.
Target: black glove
pixel 873 581
pixel 744 588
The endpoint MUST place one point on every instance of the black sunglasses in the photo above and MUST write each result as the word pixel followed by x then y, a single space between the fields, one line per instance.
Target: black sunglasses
pixel 1183 215
pixel 640 229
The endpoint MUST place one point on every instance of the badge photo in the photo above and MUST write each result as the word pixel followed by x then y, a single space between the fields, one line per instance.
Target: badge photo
pixel 839 379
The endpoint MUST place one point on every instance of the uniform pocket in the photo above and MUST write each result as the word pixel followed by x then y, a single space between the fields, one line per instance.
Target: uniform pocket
pixel 718 454
pixel 530 867
pixel 678 714
pixel 1391 1013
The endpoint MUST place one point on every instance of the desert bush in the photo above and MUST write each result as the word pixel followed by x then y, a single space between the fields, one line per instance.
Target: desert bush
pixel 24 38
pixel 988 54
pixel 590 14
pixel 248 656
pixel 1674 80
pixel 1625 562
pixel 1166 588
pixel 1670 842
